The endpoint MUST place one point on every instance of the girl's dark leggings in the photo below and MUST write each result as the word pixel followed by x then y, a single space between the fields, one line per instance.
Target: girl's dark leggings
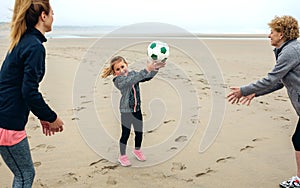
pixel 128 119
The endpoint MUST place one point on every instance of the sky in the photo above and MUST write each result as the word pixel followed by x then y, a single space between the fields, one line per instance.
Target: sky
pixel 204 16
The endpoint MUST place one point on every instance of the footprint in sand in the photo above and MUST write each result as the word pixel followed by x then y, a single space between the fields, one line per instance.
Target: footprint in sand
pixel 284 100
pixel 195 121
pixel 43 146
pixel 281 118
pixel 106 169
pixel 79 108
pixel 40 146
pixel 168 121
pixel 37 164
pixel 181 139
pixel 246 148
pixel 151 131
pixel 111 167
pixel 172 149
pixel 96 162
pixel 225 159
pixel 208 171
pixel 85 102
pixel 253 140
pixel 280 98
pixel 178 166
pixel 284 118
pixel 258 139
pixel 262 102
pixel 50 148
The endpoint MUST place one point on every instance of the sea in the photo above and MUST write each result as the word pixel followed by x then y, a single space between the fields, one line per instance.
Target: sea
pixel 137 31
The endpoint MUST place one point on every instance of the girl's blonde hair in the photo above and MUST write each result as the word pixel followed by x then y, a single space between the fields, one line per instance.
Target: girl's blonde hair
pixel 25 15
pixel 286 24
pixel 110 70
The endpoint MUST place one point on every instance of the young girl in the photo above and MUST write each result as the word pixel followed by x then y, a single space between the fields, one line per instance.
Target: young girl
pixel 130 104
pixel 20 75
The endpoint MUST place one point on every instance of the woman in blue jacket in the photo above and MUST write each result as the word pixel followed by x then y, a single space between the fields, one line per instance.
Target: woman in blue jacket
pixel 284 34
pixel 21 72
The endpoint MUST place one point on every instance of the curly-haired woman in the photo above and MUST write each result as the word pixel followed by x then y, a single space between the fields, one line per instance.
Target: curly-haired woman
pixel 286 72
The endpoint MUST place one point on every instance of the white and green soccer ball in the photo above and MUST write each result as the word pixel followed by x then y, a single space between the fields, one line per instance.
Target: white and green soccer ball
pixel 158 51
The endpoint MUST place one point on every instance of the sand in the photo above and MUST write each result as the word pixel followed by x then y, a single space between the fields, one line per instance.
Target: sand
pixel 252 148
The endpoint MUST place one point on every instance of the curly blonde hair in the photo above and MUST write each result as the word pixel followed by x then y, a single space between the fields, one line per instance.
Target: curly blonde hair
pixel 110 70
pixel 287 25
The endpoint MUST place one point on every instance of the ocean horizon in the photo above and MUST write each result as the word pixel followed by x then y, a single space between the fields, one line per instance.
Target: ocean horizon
pixel 100 31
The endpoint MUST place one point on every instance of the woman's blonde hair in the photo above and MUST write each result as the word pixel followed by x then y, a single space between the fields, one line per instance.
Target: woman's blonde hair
pixel 287 25
pixel 25 15
pixel 110 69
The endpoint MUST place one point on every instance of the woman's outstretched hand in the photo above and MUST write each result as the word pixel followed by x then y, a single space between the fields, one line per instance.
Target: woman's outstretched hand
pixel 247 99
pixel 235 96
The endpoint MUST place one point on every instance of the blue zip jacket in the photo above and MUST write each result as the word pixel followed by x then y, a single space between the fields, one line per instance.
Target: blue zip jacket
pixel 21 72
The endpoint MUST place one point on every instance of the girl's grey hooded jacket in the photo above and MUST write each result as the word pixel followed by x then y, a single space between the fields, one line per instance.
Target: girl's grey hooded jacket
pixel 129 87
pixel 285 73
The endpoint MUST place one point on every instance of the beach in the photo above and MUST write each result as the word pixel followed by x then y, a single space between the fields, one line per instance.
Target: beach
pixel 252 145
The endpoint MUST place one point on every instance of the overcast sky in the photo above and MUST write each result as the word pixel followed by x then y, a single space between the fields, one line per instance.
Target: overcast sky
pixel 215 16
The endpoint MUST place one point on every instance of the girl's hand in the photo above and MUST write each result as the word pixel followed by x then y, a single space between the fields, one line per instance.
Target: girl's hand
pixel 154 65
pixel 159 65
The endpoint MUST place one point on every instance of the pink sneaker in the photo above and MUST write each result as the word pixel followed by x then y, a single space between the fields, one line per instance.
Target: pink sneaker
pixel 139 155
pixel 123 159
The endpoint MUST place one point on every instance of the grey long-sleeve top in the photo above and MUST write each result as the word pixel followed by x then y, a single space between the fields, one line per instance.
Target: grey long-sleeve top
pixel 129 87
pixel 285 73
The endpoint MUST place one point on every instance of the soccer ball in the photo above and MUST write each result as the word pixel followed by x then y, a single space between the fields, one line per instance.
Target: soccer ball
pixel 158 51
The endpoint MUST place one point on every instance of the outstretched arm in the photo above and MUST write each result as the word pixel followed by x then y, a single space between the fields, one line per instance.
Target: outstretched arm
pixel 154 67
pixel 126 81
pixel 235 96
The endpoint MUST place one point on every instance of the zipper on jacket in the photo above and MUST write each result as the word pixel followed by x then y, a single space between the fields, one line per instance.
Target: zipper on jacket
pixel 135 101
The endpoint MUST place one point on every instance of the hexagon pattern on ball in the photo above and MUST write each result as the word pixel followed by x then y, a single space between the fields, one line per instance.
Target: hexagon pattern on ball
pixel 158 51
